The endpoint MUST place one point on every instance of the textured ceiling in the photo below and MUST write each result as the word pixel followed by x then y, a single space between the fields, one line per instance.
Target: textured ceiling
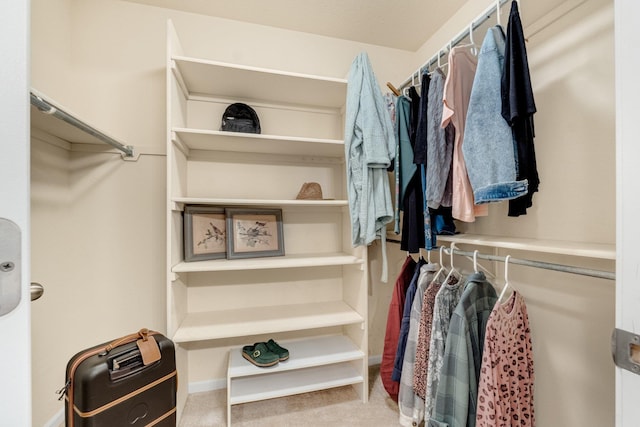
pixel 400 24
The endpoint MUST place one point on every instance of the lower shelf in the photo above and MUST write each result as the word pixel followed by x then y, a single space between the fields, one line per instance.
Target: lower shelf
pixel 250 389
pixel 304 353
pixel 314 364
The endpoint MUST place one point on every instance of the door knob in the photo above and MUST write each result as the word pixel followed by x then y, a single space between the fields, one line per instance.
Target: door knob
pixel 36 290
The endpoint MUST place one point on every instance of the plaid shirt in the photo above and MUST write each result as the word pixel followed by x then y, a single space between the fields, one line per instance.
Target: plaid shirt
pixel 457 393
pixel 447 299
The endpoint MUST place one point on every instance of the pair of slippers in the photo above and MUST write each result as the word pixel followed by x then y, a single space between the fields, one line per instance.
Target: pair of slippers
pixel 264 354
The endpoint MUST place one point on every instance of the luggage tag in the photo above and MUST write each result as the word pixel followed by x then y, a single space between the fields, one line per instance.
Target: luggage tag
pixel 149 350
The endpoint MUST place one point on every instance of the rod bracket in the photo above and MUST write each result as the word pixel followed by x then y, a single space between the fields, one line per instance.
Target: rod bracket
pixel 130 155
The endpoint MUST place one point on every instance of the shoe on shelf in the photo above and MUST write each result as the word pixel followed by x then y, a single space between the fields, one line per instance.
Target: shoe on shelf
pixel 283 353
pixel 260 355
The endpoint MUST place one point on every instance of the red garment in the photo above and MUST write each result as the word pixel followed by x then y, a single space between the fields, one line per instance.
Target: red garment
pixel 394 319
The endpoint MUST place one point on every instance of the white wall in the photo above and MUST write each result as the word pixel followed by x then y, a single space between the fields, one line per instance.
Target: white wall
pixel 572 317
pixel 98 222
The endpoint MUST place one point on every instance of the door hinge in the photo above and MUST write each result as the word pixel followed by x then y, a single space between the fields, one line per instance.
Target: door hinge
pixel 625 347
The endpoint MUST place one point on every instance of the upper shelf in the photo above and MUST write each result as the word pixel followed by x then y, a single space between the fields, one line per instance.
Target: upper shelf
pixel 196 139
pixel 204 77
pixel 580 249
pixel 288 261
pixel 314 204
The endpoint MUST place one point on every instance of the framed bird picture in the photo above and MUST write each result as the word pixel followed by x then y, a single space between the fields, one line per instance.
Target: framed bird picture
pixel 205 233
pixel 254 233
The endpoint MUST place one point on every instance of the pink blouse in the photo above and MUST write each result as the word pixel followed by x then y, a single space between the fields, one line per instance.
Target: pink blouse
pixel 457 91
pixel 505 390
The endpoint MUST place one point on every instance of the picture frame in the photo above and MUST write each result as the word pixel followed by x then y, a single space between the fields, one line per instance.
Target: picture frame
pixel 253 233
pixel 205 233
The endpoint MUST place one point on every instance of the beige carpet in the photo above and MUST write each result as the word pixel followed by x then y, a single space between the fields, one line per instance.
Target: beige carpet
pixel 335 407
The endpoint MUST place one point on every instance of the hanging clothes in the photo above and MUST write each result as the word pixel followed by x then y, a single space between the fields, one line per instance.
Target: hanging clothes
pixel 422 350
pixel 420 146
pixel 406 321
pixel 439 148
pixel 405 167
pixel 392 332
pixel 518 108
pixel 369 151
pixel 457 90
pixel 446 302
pixel 424 337
pixel 507 399
pixel 408 401
pixel 420 158
pixel 412 197
pixel 457 393
pixel 488 141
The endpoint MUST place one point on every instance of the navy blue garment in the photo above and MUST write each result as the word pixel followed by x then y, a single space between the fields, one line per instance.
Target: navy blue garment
pixel 420 146
pixel 412 200
pixel 413 216
pixel 518 108
pixel 406 320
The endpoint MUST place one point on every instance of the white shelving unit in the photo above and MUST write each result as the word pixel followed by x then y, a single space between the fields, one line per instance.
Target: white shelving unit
pixel 314 298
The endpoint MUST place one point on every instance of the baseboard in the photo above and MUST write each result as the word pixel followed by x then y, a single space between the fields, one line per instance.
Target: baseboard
pixel 201 386
pixel 375 360
pixel 57 420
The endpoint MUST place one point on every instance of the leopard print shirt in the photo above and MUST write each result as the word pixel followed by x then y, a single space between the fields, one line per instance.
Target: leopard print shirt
pixel 505 391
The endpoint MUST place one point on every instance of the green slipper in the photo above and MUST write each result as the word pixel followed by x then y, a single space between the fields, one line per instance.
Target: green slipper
pixel 259 355
pixel 283 353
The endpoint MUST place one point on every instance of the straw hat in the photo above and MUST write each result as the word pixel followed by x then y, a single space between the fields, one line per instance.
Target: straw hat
pixel 310 191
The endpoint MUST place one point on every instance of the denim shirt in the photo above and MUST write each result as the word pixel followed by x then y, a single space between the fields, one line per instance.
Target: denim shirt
pixel 488 146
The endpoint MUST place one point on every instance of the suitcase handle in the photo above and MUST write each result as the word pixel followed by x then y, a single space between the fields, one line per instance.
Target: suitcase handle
pixel 126 364
pixel 142 333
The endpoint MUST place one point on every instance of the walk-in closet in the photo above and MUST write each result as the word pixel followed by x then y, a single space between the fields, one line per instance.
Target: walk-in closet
pixel 127 151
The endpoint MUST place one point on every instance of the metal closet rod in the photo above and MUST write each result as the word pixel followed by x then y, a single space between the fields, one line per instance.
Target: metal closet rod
pixel 48 108
pixel 529 263
pixel 538 264
pixel 480 19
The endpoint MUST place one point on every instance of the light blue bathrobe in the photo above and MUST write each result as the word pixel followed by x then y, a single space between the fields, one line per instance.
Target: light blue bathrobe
pixel 369 142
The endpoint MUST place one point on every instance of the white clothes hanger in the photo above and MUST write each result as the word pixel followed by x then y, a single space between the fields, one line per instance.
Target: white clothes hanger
pixel 474 48
pixel 475 261
pixel 472 43
pixel 442 267
pixel 498 12
pixel 506 278
pixel 452 271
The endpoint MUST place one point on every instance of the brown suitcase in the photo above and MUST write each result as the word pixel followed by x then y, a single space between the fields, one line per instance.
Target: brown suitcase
pixel 130 381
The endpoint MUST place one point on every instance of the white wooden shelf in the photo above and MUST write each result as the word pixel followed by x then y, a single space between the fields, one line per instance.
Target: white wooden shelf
pixel 304 353
pixel 303 122
pixel 213 140
pixel 287 261
pixel 579 249
pixel 201 326
pixel 294 382
pixel 259 202
pixel 202 77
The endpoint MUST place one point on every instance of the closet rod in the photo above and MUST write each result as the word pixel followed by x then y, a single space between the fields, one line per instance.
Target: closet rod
pixel 47 108
pixel 609 275
pixel 479 20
